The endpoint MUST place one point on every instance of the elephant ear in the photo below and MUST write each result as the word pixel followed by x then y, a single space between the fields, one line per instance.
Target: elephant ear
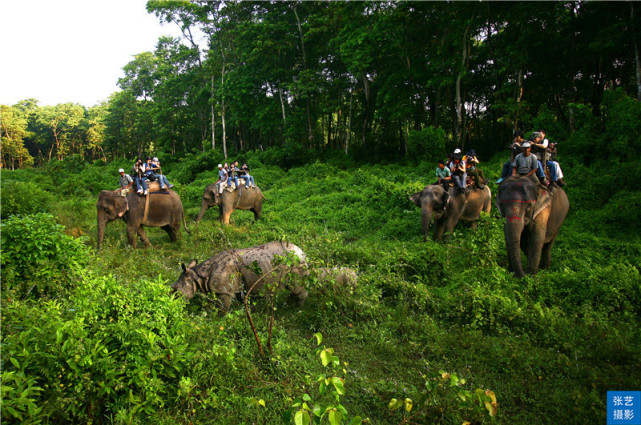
pixel 543 201
pixel 444 200
pixel 416 198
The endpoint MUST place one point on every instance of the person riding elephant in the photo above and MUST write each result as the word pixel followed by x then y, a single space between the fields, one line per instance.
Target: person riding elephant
pixel 533 217
pixel 164 210
pixel 448 207
pixel 241 198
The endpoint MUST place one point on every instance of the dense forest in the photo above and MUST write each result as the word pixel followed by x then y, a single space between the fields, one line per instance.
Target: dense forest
pixel 364 77
pixel 341 109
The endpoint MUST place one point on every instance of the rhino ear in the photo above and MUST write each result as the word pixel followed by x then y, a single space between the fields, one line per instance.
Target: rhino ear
pixel 192 264
pixel 183 266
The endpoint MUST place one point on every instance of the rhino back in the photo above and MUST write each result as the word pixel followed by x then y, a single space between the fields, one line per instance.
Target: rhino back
pixel 223 273
pixel 263 256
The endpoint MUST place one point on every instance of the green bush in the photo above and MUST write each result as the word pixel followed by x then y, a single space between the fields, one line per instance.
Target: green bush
pixel 20 197
pixel 38 256
pixel 427 143
pixel 110 350
pixel 622 120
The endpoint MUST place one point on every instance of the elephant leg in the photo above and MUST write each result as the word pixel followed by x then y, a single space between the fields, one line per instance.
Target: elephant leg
pixel 257 210
pixel 534 249
pixel 438 230
pixel 171 232
pixel 449 225
pixel 546 255
pixel 131 236
pixel 224 215
pixel 143 237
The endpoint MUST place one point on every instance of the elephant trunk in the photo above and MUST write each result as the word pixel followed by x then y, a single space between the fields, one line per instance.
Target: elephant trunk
pixel 426 217
pixel 203 209
pixel 513 230
pixel 102 221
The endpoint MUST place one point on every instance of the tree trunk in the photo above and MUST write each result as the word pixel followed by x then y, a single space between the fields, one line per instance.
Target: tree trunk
pixel 459 102
pixel 519 96
pixel 222 85
pixel 636 51
pixel 366 91
pixel 282 103
pixel 213 111
pixel 310 135
pixel 349 124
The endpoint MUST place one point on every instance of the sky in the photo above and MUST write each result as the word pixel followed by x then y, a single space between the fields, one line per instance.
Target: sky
pixel 60 51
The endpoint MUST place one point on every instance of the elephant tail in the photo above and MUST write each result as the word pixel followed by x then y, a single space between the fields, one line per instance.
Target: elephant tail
pixel 185 223
pixel 265 199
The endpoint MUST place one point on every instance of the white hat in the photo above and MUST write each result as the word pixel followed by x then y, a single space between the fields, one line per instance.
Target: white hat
pixel 155 159
pixel 457 151
pixel 121 171
pixel 220 165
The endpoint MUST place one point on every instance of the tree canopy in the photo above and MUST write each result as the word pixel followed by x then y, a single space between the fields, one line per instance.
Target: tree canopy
pixel 363 77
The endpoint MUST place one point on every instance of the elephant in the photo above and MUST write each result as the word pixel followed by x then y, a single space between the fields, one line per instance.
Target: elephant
pixel 447 208
pixel 164 210
pixel 234 272
pixel 240 198
pixel 533 216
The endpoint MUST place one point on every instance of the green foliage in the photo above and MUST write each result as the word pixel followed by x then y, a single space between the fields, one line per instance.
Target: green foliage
pixel 622 120
pixel 19 395
pixel 20 197
pixel 447 395
pixel 324 402
pixel 195 163
pixel 109 349
pixel 564 336
pixel 429 143
pixel 38 256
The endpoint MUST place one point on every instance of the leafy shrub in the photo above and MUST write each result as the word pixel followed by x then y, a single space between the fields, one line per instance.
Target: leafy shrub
pixel 111 349
pixel 622 120
pixel 36 252
pixel 429 142
pixel 586 141
pixel 194 163
pixel 291 154
pixel 23 198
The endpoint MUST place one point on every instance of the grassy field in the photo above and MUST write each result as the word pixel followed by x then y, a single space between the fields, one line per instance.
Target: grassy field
pixel 99 339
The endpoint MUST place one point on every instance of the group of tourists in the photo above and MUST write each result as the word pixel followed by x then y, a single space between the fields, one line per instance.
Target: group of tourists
pixel 229 176
pixel 232 174
pixel 532 157
pixel 527 158
pixel 457 170
pixel 141 172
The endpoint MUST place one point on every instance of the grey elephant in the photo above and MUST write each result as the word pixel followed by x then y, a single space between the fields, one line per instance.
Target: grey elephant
pixel 233 272
pixel 447 208
pixel 533 217
pixel 157 209
pixel 240 198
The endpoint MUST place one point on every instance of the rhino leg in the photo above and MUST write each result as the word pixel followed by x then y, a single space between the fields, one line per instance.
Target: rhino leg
pixel 298 295
pixel 225 303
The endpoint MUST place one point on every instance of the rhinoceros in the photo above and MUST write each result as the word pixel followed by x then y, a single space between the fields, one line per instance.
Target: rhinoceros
pixel 341 276
pixel 235 271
